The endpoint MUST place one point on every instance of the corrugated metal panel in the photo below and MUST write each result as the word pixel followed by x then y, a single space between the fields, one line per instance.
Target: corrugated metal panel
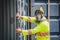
pixel 9 11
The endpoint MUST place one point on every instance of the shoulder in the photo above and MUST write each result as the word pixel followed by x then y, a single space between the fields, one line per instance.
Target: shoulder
pixel 44 23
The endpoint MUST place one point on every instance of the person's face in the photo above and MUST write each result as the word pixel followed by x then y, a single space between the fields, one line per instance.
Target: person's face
pixel 38 17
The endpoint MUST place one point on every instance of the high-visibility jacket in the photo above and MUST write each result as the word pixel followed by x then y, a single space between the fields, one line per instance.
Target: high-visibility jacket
pixel 42 30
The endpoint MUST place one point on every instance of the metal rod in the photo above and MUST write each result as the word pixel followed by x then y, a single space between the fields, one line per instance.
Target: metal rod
pixel 23 14
pixel 49 12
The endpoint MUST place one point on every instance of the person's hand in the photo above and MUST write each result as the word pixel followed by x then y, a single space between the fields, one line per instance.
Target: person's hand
pixel 18 30
pixel 18 15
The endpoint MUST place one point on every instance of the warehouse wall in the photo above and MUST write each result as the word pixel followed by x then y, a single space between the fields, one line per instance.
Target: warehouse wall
pixel 7 19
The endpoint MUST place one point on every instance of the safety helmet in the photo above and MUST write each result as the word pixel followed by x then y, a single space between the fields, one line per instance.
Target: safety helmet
pixel 41 10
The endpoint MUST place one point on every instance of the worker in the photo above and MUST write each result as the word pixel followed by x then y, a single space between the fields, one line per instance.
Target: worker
pixel 42 29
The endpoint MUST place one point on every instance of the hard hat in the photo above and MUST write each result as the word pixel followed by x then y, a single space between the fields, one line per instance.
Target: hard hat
pixel 41 10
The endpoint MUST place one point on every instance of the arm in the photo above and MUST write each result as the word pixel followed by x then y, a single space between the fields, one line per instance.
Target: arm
pixel 26 18
pixel 29 32
pixel 29 19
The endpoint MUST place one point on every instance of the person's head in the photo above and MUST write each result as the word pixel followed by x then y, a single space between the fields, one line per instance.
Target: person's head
pixel 39 14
